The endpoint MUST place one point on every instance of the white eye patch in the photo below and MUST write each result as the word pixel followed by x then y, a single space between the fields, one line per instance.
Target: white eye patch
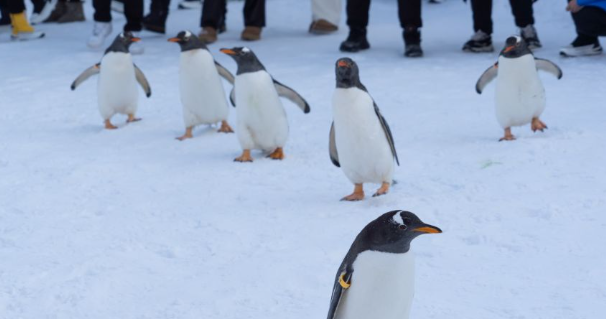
pixel 187 34
pixel 397 219
pixel 518 39
pixel 245 49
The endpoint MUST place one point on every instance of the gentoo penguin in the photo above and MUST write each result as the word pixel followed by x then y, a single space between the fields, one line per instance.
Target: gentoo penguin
pixel 360 140
pixel 376 278
pixel 262 122
pixel 202 93
pixel 520 96
pixel 118 77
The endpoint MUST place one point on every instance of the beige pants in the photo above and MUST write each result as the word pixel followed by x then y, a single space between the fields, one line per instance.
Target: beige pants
pixel 329 10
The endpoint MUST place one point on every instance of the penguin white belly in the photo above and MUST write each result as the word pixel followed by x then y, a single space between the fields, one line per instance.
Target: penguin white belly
pixel 117 88
pixel 202 93
pixel 364 152
pixel 382 287
pixel 262 122
pixel 520 95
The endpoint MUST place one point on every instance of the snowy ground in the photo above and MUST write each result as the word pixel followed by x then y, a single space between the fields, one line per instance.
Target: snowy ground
pixel 134 224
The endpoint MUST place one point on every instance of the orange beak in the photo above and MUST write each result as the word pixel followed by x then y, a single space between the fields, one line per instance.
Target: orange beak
pixel 228 51
pixel 428 229
pixel 174 40
pixel 343 64
pixel 509 48
pixel 135 39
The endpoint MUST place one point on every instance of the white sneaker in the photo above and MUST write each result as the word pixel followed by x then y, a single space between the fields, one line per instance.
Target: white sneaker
pixel 137 47
pixel 25 36
pixel 101 31
pixel 47 9
pixel 190 4
pixel 584 50
pixel 117 6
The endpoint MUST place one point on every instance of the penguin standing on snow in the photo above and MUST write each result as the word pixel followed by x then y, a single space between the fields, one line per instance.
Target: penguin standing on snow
pixel 360 140
pixel 262 122
pixel 520 96
pixel 118 77
pixel 201 89
pixel 376 278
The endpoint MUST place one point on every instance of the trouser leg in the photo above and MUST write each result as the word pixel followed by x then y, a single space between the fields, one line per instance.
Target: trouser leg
pixel 254 13
pixel 522 12
pixel 329 10
pixel 590 22
pixel 410 13
pixel 16 6
pixel 102 10
pixel 482 15
pixel 357 13
pixel 213 12
pixel 133 11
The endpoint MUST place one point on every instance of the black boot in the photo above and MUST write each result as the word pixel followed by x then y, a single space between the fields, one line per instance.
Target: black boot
pixel 412 42
pixel 155 21
pixel 356 41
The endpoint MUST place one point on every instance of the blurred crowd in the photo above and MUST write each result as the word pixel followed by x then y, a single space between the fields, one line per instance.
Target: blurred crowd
pixel 589 17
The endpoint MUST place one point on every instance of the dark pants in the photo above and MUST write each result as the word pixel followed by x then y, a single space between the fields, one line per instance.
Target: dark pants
pixel 590 23
pixel 409 12
pixel 213 13
pixel 482 14
pixel 13 6
pixel 159 6
pixel 133 11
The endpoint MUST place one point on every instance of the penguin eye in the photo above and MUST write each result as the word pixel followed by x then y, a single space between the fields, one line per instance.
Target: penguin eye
pixel 402 227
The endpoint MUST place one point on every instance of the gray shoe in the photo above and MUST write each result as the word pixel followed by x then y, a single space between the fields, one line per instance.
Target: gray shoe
pixel 73 13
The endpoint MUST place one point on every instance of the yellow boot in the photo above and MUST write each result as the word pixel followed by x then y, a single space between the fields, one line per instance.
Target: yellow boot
pixel 22 30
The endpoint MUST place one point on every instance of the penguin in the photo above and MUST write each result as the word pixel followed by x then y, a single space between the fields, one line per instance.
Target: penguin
pixel 520 96
pixel 376 278
pixel 262 122
pixel 118 77
pixel 360 140
pixel 202 93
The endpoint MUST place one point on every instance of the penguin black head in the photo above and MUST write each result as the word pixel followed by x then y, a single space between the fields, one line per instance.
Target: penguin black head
pixel 122 42
pixel 393 231
pixel 188 41
pixel 348 74
pixel 245 58
pixel 515 47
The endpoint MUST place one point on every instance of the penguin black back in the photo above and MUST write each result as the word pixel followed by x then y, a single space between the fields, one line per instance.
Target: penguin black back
pixel 515 47
pixel 245 58
pixel 122 42
pixel 188 41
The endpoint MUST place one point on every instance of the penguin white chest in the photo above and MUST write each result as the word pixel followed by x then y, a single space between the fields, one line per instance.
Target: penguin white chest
pixel 202 93
pixel 382 287
pixel 520 95
pixel 262 122
pixel 117 88
pixel 364 152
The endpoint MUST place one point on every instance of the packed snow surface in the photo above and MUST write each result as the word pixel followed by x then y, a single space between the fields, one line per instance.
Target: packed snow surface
pixel 134 224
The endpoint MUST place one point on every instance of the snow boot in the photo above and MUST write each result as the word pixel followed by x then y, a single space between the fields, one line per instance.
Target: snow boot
pixel 582 46
pixel 529 34
pixel 356 41
pixel 412 42
pixel 479 42
pixel 22 30
pixel 101 31
pixel 73 13
pixel 155 21
pixel 322 26
pixel 208 35
pixel 251 33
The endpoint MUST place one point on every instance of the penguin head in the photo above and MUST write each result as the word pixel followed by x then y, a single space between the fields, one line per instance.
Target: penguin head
pixel 348 74
pixel 122 42
pixel 394 231
pixel 187 41
pixel 515 47
pixel 245 58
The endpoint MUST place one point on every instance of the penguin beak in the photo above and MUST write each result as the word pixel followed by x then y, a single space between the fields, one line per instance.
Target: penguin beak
pixel 228 51
pixel 174 40
pixel 509 48
pixel 428 229
pixel 343 64
pixel 133 39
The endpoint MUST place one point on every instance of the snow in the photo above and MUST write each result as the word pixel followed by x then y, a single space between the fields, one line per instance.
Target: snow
pixel 134 224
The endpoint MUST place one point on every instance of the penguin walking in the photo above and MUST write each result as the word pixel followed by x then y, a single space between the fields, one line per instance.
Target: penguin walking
pixel 262 122
pixel 202 93
pixel 360 140
pixel 520 96
pixel 118 77
pixel 376 278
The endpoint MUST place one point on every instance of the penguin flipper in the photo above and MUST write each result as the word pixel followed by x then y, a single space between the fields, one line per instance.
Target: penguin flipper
pixel 85 75
pixel 292 95
pixel 388 135
pixel 232 97
pixel 224 73
pixel 341 284
pixel 487 77
pixel 332 146
pixel 549 67
pixel 142 81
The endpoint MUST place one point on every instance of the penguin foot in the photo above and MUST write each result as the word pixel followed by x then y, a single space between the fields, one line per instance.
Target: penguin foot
pixel 132 118
pixel 357 195
pixel 537 125
pixel 508 136
pixel 188 134
pixel 278 154
pixel 225 128
pixel 109 125
pixel 383 190
pixel 245 157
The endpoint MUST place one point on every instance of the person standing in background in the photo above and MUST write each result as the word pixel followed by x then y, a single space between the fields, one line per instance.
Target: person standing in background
pixel 326 15
pixel 21 29
pixel 133 11
pixel 589 18
pixel 213 19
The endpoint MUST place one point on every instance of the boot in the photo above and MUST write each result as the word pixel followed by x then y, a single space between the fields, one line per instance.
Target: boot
pixel 412 42
pixel 322 26
pixel 356 41
pixel 57 13
pixel 22 30
pixel 73 13
pixel 155 21
pixel 208 35
pixel 251 33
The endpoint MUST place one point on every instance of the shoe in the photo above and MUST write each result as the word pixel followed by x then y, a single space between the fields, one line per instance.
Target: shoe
pixel 479 42
pixel 118 6
pixel 251 34
pixel 101 31
pixel 57 13
pixel 208 35
pixel 582 50
pixel 136 48
pixel 155 22
pixel 74 12
pixel 356 41
pixel 529 34
pixel 22 30
pixel 322 26
pixel 43 11
pixel 190 4
pixel 412 42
